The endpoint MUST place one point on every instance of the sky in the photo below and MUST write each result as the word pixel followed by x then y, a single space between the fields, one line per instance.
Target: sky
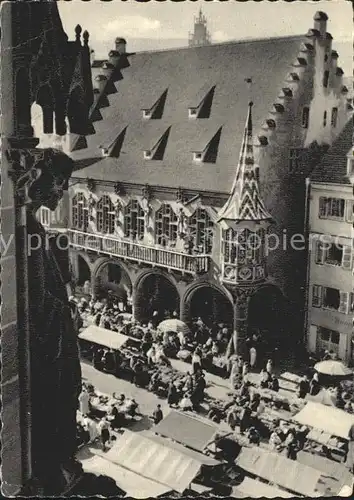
pixel 168 23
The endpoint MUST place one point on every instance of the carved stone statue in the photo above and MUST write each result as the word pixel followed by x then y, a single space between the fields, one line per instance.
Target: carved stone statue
pixel 55 365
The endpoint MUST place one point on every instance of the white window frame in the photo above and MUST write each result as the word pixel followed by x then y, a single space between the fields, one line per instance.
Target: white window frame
pixel 317 298
pixel 45 216
pixel 328 345
pixel 328 202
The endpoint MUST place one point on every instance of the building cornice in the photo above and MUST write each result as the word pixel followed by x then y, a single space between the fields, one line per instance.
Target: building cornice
pixel 324 186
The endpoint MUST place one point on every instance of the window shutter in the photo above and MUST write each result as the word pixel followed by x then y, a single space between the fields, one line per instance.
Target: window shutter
pixel 322 206
pixel 320 253
pixel 317 292
pixel 347 259
pixel 351 303
pixel 349 211
pixel 343 302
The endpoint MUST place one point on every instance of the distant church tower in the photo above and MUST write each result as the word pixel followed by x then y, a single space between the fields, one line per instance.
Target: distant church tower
pixel 201 35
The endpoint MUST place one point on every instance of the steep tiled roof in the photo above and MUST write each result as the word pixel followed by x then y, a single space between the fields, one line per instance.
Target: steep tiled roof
pixel 186 73
pixel 333 166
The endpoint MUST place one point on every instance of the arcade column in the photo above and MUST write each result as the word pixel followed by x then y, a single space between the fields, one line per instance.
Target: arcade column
pixel 241 298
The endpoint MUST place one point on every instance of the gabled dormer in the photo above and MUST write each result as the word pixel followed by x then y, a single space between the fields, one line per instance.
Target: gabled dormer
pixel 114 149
pixel 203 109
pixel 158 150
pixel 157 109
pixel 210 152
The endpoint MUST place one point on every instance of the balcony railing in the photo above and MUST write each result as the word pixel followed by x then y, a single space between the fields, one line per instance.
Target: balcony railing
pixel 194 264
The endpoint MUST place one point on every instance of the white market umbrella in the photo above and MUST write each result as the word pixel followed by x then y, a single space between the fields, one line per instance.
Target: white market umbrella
pixel 173 325
pixel 332 367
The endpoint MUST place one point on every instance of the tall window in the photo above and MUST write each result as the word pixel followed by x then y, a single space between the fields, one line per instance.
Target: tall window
pixel 79 212
pixel 331 208
pixel 305 116
pixel 134 225
pixel 44 216
pixel 201 229
pixel 325 118
pixel 230 246
pixel 325 79
pixel 105 215
pixel 334 117
pixel 165 226
pixel 334 254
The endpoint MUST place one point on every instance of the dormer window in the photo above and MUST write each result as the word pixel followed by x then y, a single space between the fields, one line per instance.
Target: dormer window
pixel 105 151
pixel 203 110
pixel 157 109
pixel 334 117
pixel 158 151
pixel 210 152
pixel 114 149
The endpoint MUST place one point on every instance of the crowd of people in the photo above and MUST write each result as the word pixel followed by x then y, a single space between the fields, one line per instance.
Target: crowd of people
pixel 207 349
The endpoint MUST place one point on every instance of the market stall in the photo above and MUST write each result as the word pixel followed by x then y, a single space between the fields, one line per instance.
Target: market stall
pixel 299 479
pixel 135 485
pixel 157 460
pixel 330 420
pixel 251 488
pixel 186 430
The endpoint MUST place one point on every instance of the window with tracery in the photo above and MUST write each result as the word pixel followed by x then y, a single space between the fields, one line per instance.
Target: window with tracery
pixel 134 222
pixel 243 248
pixel 201 230
pixel 79 212
pixel 105 215
pixel 165 226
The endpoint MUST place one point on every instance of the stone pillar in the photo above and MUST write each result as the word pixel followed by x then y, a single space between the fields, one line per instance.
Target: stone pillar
pixel 241 298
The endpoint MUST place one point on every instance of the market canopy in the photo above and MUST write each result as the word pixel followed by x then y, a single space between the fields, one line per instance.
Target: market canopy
pixel 173 325
pixel 331 420
pixel 103 337
pixel 186 429
pixel 155 460
pixel 133 484
pixel 251 488
pixel 298 478
pixel 333 367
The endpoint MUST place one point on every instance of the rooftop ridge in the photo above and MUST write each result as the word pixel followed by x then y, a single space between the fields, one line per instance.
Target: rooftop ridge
pixel 228 42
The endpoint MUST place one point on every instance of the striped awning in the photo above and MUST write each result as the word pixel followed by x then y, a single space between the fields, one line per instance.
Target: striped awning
pixel 154 460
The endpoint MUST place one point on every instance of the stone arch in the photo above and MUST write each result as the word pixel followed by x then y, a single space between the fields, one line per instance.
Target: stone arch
pixel 209 301
pixel 154 290
pixel 267 313
pixel 111 275
pixel 83 270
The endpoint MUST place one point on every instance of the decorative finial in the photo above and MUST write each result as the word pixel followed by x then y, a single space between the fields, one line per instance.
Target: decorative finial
pixel 78 31
pixel 86 36
pixel 249 84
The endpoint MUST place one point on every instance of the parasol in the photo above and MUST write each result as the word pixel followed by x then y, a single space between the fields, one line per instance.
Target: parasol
pixel 173 325
pixel 333 368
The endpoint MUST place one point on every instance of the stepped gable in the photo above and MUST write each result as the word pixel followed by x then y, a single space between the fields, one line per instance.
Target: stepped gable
pixel 333 166
pixel 187 74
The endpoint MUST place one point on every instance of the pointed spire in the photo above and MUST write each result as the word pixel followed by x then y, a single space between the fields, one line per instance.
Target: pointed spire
pixel 245 203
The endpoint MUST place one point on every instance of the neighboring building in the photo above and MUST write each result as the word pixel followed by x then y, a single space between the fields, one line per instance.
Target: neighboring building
pixel 38 64
pixel 169 129
pixel 331 218
pixel 200 35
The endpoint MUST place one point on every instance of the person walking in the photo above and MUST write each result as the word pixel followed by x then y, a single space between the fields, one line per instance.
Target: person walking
pixel 196 361
pixel 253 357
pixel 157 415
pixel 269 367
pixel 84 400
pixel 103 430
pixel 304 387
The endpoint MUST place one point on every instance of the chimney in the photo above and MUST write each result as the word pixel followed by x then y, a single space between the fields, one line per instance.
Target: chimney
pixel 320 23
pixel 120 45
pixel 100 82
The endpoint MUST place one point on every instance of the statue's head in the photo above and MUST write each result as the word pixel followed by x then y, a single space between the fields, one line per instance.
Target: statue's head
pixel 48 189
